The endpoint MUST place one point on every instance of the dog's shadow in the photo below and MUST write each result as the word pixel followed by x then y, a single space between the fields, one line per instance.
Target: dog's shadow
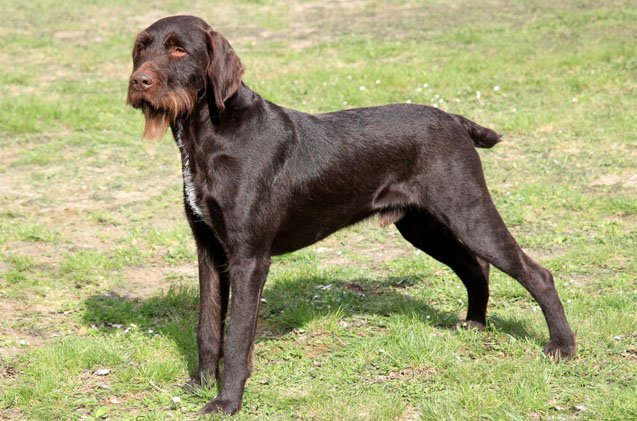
pixel 286 305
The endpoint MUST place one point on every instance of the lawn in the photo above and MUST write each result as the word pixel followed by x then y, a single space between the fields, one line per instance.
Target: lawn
pixel 98 296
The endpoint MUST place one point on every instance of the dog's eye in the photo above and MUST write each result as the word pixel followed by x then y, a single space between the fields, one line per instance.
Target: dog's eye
pixel 177 52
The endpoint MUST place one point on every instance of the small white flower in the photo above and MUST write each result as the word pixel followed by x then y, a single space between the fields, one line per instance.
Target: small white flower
pixel 618 338
pixel 477 94
pixel 362 88
pixel 377 82
pixel 344 102
pixel 425 85
pixel 496 88
pixel 102 372
pixel 176 399
pixel 574 100
pixel 408 101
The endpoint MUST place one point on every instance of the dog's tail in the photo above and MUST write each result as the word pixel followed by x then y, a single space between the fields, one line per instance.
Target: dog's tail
pixel 482 137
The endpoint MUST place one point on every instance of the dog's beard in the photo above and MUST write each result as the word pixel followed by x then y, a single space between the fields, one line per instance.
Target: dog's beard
pixel 160 112
pixel 157 123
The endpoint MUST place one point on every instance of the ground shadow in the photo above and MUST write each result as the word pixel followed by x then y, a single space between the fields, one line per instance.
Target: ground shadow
pixel 287 305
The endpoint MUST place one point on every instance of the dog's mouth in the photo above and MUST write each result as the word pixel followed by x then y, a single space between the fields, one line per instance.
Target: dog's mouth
pixel 161 110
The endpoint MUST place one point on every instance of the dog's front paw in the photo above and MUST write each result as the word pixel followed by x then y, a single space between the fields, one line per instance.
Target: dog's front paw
pixel 207 377
pixel 556 351
pixel 191 385
pixel 203 380
pixel 471 325
pixel 225 406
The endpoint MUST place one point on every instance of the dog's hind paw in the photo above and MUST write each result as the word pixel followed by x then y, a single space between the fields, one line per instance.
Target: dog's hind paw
pixel 225 406
pixel 558 352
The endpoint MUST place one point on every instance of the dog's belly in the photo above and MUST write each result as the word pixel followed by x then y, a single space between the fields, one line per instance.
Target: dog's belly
pixel 307 224
pixel 303 233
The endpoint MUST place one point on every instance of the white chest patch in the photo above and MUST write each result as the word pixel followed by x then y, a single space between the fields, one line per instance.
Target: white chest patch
pixel 189 186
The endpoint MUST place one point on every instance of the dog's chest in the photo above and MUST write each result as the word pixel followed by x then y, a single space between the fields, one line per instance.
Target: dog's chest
pixel 190 190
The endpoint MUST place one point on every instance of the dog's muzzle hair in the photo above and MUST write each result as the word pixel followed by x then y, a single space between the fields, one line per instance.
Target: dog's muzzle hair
pixel 161 104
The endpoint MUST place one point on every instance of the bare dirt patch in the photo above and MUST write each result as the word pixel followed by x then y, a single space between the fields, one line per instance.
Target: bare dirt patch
pixel 27 325
pixel 627 180
pixel 142 283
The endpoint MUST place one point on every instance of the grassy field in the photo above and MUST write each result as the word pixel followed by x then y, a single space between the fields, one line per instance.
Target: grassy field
pixel 98 299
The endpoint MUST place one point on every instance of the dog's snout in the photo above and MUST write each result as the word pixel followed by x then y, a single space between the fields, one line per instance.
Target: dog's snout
pixel 141 81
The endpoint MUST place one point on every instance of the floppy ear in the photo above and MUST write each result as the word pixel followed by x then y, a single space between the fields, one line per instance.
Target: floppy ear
pixel 224 69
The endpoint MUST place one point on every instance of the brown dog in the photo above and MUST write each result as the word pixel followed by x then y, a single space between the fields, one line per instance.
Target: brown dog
pixel 261 180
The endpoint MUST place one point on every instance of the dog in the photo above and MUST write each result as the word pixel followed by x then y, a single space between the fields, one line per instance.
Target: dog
pixel 262 180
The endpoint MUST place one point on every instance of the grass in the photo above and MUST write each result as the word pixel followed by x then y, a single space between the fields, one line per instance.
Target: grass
pixel 98 271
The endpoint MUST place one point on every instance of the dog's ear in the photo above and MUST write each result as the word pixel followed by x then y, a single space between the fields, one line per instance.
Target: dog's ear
pixel 224 69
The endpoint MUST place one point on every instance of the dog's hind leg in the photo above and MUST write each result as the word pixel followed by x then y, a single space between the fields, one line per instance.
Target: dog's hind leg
pixel 466 208
pixel 424 232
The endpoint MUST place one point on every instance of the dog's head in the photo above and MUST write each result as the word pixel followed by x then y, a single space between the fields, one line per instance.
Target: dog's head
pixel 177 60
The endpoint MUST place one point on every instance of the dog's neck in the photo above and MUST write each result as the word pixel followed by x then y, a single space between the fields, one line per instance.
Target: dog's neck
pixel 190 193
pixel 243 98
pixel 206 111
pixel 205 118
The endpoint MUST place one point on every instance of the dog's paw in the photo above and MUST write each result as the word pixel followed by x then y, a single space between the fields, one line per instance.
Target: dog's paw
pixel 471 324
pixel 225 406
pixel 203 380
pixel 207 377
pixel 558 352
pixel 191 385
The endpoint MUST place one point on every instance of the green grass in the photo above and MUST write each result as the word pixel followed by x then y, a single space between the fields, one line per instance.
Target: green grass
pixel 98 270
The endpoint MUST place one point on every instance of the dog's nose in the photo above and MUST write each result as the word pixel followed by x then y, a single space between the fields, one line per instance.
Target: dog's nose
pixel 141 81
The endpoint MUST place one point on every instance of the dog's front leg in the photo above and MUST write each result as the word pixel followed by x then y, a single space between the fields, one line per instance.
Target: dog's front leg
pixel 214 290
pixel 213 305
pixel 247 277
